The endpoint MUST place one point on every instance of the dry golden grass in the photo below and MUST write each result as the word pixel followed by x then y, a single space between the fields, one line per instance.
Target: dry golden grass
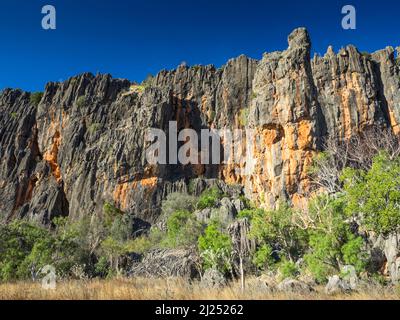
pixel 172 289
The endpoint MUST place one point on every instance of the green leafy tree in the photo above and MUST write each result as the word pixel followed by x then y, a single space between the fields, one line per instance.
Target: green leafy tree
pixel 278 230
pixel 288 269
pixel 374 195
pixel 332 244
pixel 113 250
pixel 25 248
pixel 215 248
pixel 182 229
pixel 263 258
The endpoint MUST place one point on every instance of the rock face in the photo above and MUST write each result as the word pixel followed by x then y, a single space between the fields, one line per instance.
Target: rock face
pixel 84 145
pixel 336 286
pixel 294 286
pixel 286 114
pixel 213 279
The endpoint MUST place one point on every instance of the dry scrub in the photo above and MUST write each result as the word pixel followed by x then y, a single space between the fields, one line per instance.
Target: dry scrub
pixel 173 289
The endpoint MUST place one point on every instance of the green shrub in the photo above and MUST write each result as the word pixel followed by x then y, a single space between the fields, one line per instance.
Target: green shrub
pixel 352 252
pixel 374 195
pixel 140 245
pixel 209 198
pixel 148 81
pixel 246 202
pixel 331 242
pixel 122 228
pixel 321 261
pixel 379 279
pixel 182 229
pixel 212 115
pixel 366 54
pixel 251 214
pixel 288 270
pixel 81 101
pixel 35 98
pixel 277 228
pixel 102 267
pixel 112 250
pixel 26 248
pixel 19 244
pixel 263 258
pixel 192 186
pixel 110 213
pixel 215 248
pixel 196 68
pixel 176 202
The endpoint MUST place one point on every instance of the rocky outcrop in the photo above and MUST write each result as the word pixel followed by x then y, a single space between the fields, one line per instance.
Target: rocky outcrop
pixel 286 115
pixel 213 279
pixel 294 286
pixel 83 145
pixel 163 263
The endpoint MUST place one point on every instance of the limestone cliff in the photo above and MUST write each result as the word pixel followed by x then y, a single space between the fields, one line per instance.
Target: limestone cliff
pixel 83 144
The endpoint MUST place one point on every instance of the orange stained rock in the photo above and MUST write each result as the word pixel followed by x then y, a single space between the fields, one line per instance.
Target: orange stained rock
pixel 393 122
pixel 304 138
pixel 271 136
pixel 122 190
pixel 299 202
pixel 121 194
pixel 51 156
pixel 149 182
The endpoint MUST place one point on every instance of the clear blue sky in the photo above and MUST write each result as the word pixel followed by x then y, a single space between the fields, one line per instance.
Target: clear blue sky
pixel 131 39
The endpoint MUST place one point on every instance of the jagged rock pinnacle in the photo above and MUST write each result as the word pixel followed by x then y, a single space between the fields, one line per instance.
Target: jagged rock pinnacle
pixel 299 38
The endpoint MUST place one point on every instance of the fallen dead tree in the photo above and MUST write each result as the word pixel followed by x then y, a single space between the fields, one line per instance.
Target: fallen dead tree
pixel 166 263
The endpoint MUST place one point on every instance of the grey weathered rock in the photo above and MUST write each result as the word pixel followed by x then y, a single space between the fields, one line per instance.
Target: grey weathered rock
pixel 243 245
pixel 166 263
pixel 260 285
pixel 204 215
pixel 336 285
pixel 392 251
pixel 385 252
pixel 213 279
pixel 239 205
pixel 294 286
pixel 227 212
pixel 349 275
